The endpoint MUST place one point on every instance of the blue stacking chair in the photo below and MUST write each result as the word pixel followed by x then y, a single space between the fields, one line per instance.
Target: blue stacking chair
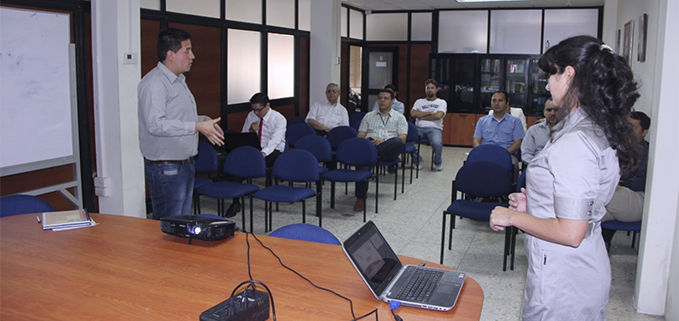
pixel 246 163
pixel 480 178
pixel 616 225
pixel 493 153
pixel 381 164
pixel 356 117
pixel 317 146
pixel 23 204
pixel 296 120
pixel 353 152
pixel 297 166
pixel 297 131
pixel 306 232
pixel 409 149
pixel 339 134
pixel 207 162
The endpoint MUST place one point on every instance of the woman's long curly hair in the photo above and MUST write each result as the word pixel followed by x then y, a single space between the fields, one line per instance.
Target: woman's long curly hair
pixel 603 86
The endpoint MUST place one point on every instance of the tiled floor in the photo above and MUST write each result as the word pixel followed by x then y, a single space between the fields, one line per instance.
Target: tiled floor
pixel 412 225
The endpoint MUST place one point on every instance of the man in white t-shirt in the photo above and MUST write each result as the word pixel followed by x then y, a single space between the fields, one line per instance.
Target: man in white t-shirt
pixel 429 113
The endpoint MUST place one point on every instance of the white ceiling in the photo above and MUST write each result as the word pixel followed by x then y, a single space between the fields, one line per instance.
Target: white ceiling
pixel 375 5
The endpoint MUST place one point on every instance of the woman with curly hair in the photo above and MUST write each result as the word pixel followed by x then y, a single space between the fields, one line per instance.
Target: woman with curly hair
pixel 571 180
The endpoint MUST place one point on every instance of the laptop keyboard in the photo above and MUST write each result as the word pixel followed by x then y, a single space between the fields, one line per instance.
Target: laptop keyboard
pixel 420 286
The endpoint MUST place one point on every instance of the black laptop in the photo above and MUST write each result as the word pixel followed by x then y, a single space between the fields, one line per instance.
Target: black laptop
pixel 389 280
pixel 235 140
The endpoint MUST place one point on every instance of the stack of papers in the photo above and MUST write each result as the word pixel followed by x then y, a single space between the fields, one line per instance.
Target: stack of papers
pixel 66 220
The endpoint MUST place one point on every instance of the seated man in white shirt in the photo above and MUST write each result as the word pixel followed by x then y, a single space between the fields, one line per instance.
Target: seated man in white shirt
pixel 327 114
pixel 270 127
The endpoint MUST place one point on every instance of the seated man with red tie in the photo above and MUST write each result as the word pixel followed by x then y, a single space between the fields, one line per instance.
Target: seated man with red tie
pixel 270 127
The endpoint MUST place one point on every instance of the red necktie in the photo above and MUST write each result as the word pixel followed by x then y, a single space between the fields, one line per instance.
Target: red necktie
pixel 259 132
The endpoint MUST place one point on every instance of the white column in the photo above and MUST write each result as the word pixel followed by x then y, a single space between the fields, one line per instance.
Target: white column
pixel 120 166
pixel 656 286
pixel 325 47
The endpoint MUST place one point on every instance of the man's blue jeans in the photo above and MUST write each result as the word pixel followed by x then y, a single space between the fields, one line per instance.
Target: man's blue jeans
pixel 434 137
pixel 171 187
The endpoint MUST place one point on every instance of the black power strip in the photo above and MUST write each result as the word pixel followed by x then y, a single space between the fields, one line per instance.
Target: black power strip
pixel 249 305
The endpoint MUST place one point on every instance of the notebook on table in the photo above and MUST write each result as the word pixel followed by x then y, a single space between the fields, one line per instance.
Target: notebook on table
pixel 235 140
pixel 388 280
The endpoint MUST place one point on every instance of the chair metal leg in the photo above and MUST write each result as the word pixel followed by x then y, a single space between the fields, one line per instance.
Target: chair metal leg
pixel 443 236
pixel 242 209
pixel 395 183
pixel 377 190
pixel 319 202
pixel 266 217
pixel 332 194
pixel 251 207
pixel 304 211
pixel 452 227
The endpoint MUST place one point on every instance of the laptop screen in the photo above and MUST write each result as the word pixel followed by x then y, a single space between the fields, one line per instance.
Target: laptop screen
pixel 373 257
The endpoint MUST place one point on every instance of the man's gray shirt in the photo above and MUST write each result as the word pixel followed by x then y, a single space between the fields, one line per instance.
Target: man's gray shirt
pixel 167 116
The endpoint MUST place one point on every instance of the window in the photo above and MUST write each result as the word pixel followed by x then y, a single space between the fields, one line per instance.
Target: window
pixel 243 65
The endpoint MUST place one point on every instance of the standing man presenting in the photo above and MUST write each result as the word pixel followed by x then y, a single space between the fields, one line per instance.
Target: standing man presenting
pixel 327 114
pixel 169 126
pixel 428 113
pixel 387 130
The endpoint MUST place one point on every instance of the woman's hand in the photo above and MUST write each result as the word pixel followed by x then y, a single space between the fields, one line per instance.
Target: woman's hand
pixel 517 201
pixel 500 218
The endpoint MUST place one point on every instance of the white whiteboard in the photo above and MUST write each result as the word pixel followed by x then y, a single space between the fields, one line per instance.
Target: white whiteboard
pixel 36 111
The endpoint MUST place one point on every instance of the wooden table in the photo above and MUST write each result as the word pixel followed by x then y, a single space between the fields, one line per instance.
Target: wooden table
pixel 127 269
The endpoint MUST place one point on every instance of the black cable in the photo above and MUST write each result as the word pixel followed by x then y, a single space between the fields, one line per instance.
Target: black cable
pixel 351 303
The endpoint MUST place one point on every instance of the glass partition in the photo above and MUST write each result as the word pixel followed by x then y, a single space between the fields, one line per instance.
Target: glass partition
pixel 206 8
pixel 242 10
pixel 244 66
pixel 281 66
pixel 280 13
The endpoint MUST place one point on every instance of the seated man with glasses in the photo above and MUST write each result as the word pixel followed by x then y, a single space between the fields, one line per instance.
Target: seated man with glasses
pixel 327 114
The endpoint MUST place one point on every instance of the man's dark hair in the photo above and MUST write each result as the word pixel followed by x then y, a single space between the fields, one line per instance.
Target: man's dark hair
pixel 170 39
pixel 259 98
pixel 643 119
pixel 391 93
pixel 390 86
pixel 502 92
pixel 432 81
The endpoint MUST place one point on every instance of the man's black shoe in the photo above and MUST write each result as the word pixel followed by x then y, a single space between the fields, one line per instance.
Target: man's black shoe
pixel 233 209
pixel 391 169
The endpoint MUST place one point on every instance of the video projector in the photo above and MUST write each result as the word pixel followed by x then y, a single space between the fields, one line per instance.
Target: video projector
pixel 202 228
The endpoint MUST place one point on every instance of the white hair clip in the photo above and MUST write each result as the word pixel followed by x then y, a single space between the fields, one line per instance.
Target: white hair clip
pixel 605 46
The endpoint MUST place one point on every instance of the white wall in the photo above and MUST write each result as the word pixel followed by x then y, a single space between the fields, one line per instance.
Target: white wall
pixel 324 47
pixel 658 78
pixel 116 30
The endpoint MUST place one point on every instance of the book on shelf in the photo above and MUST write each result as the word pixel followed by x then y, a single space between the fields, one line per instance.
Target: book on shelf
pixel 66 219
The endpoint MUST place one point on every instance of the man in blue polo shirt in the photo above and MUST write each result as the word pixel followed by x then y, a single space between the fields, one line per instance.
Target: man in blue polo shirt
pixel 500 128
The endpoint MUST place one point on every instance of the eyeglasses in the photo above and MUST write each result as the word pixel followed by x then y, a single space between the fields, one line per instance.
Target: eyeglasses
pixel 331 91
pixel 258 109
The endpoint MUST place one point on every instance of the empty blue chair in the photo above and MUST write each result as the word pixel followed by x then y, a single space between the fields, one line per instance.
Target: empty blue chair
pixel 317 146
pixel 356 117
pixel 207 162
pixel 23 204
pixel 358 152
pixel 339 134
pixel 245 163
pixel 492 153
pixel 297 131
pixel 296 120
pixel 616 225
pixel 409 149
pixel 481 179
pixel 306 232
pixel 298 166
